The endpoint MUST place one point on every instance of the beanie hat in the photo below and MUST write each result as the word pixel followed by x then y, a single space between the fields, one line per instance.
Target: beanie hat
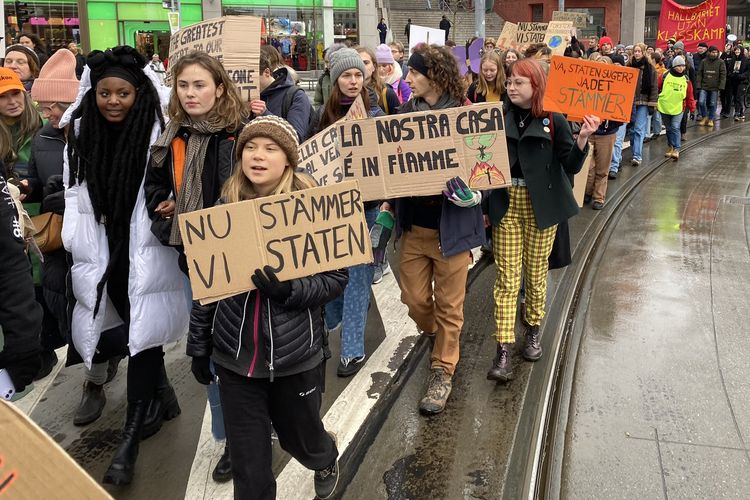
pixel 605 39
pixel 678 61
pixel 272 127
pixel 672 40
pixel 121 62
pixel 30 54
pixel 345 59
pixel 679 45
pixel 703 44
pixel 383 54
pixel 9 81
pixel 712 48
pixel 57 81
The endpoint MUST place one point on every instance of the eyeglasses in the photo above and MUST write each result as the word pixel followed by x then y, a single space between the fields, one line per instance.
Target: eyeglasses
pixel 516 83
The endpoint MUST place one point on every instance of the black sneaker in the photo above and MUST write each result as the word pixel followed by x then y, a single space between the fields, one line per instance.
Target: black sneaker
pixel 223 470
pixel 327 479
pixel 49 360
pixel 597 205
pixel 612 175
pixel 348 367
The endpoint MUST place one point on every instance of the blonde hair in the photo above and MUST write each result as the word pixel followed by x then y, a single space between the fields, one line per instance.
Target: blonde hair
pixel 239 188
pixel 483 86
pixel 229 107
pixel 28 123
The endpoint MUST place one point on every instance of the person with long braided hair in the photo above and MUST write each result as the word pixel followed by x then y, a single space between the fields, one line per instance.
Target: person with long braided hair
pixel 121 274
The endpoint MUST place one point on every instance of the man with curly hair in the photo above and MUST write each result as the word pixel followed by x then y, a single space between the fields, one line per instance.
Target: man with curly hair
pixel 437 232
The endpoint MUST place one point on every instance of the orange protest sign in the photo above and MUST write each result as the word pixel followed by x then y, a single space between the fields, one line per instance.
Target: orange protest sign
pixel 577 87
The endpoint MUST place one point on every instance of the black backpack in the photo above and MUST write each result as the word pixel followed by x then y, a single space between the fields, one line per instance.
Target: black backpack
pixel 289 95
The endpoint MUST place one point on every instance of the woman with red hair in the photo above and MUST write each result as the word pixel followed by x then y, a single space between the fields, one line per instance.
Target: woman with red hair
pixel 542 153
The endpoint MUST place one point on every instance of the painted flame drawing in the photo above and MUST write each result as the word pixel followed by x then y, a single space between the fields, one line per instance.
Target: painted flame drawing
pixel 483 174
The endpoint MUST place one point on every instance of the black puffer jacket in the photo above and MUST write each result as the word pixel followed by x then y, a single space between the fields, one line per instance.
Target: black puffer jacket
pixel 256 337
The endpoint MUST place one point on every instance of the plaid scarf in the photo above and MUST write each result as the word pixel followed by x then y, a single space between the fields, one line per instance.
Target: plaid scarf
pixel 190 194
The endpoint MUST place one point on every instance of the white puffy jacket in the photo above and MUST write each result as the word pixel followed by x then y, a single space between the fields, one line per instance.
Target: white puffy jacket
pixel 158 306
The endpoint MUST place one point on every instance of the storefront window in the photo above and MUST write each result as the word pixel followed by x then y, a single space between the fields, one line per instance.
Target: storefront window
pixel 55 23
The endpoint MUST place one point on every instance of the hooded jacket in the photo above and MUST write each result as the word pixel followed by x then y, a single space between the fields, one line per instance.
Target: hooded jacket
pixel 711 75
pixel 742 75
pixel 647 89
pixel 299 110
pixel 158 310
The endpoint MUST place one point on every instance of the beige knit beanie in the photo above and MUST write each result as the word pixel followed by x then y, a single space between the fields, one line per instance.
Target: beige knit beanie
pixel 57 80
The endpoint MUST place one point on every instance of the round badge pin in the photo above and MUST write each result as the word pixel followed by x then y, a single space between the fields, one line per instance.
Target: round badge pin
pixel 546 122
pixel 546 129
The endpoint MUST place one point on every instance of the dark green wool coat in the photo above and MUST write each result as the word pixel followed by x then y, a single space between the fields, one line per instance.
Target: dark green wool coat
pixel 545 168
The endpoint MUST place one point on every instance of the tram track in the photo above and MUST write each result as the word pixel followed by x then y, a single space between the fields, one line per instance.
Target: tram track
pixel 535 466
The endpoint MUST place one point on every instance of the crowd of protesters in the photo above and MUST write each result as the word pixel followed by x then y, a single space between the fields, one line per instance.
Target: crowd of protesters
pixel 102 145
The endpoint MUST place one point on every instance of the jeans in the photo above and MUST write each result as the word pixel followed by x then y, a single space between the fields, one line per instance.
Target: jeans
pixel 614 165
pixel 707 103
pixel 350 309
pixel 640 131
pixel 672 122
pixel 655 124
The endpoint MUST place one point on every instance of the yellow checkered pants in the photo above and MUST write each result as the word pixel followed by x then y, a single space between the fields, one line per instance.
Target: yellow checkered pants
pixel 515 241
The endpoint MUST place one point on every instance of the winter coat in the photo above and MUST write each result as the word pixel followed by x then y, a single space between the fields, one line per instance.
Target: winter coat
pixel 388 100
pixel 402 90
pixel 46 159
pixel 20 313
pixel 608 127
pixel 298 114
pixel 460 229
pixel 323 89
pixel 257 337
pixel 475 97
pixel 743 75
pixel 158 310
pixel 711 75
pixel 647 74
pixel 545 164
pixel 23 154
pixel 159 183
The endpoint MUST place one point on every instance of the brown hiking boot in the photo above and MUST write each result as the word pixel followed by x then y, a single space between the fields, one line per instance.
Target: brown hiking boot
pixel 500 370
pixel 668 154
pixel 532 349
pixel 710 123
pixel 438 390
pixel 676 154
pixel 703 122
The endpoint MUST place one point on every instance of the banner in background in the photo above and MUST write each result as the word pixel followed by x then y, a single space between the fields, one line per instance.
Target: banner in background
pixel 705 22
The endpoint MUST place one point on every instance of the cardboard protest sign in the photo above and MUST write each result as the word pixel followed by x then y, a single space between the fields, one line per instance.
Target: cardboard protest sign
pixel 705 22
pixel 579 19
pixel 578 87
pixel 423 34
pixel 558 36
pixel 412 154
pixel 233 40
pixel 357 110
pixel 298 234
pixel 32 465
pixel 529 33
pixel 507 38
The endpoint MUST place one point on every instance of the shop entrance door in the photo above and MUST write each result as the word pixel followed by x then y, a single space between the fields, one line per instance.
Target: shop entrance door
pixel 147 37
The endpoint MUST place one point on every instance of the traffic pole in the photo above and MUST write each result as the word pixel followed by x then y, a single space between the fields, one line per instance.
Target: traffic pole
pixel 479 18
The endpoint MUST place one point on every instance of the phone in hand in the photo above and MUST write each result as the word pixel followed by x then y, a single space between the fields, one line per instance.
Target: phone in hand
pixel 7 389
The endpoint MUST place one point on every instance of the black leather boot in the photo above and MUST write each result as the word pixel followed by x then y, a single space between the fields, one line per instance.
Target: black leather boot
pixel 532 349
pixel 120 471
pixel 501 371
pixel 92 404
pixel 163 407
pixel 223 470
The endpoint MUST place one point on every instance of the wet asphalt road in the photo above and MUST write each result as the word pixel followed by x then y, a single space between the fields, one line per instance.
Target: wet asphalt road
pixel 465 451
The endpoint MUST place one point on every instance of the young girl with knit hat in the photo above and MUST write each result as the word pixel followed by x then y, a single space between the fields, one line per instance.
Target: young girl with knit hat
pixel 348 314
pixel 391 73
pixel 269 365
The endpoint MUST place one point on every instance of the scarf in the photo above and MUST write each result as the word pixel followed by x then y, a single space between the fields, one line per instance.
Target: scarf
pixel 445 102
pixel 190 194
pixel 645 68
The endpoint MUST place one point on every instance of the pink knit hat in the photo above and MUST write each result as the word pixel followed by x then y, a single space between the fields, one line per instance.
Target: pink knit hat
pixel 57 80
pixel 383 54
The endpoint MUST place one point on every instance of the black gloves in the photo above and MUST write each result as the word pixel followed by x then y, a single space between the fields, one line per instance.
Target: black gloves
pixel 202 371
pixel 271 286
pixel 22 371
